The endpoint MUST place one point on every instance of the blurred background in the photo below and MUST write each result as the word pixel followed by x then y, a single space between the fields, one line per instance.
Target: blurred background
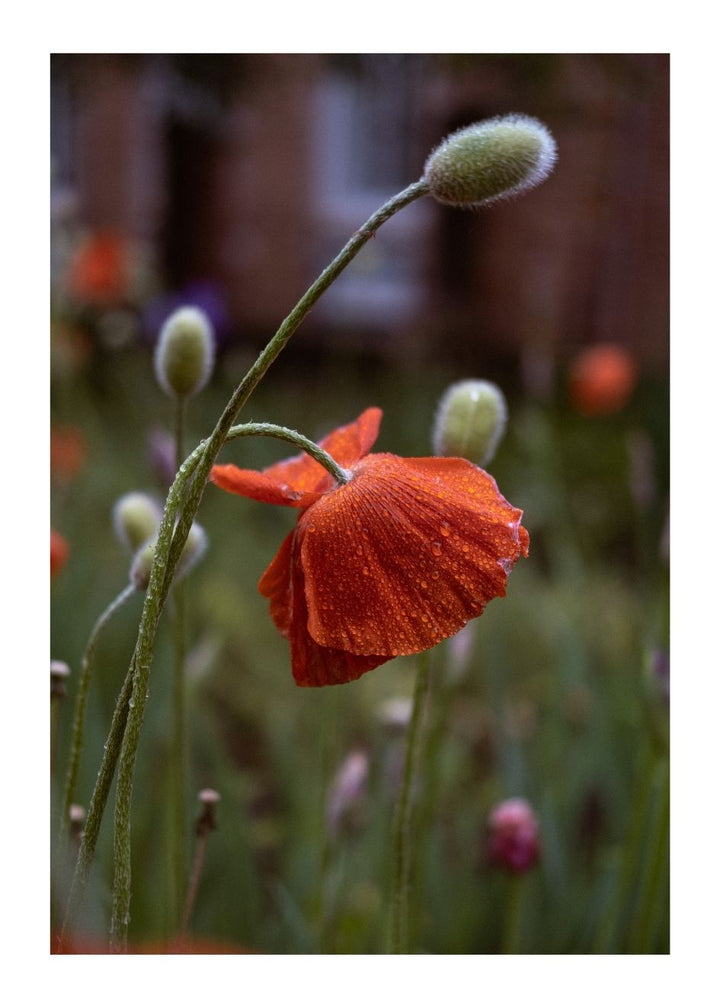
pixel 229 181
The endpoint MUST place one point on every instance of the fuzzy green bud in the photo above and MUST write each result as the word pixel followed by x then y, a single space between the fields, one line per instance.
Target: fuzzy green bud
pixel 470 421
pixel 136 518
pixel 185 352
pixel 490 160
pixel 142 565
pixel 192 553
pixel 193 550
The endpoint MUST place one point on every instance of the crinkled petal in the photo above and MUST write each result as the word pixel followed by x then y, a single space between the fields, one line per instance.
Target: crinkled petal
pixel 405 554
pixel 300 481
pixel 275 584
pixel 312 664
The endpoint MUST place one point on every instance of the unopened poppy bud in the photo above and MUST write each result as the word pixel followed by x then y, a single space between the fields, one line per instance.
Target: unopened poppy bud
pixel 185 352
pixel 59 672
pixel 136 518
pixel 76 817
pixel 142 565
pixel 347 793
pixel 470 421
pixel 206 821
pixel 490 160
pixel 395 713
pixel 514 836
pixel 193 550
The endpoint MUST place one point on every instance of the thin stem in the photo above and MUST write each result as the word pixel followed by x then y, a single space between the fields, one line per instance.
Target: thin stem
pixel 81 704
pixel 515 890
pixel 97 805
pixel 402 833
pixel 178 756
pixel 169 547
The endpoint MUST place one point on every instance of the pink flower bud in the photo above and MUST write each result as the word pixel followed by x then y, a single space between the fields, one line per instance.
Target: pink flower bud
pixel 514 840
pixel 347 793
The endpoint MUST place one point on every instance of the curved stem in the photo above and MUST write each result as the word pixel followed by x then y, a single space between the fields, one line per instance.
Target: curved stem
pixel 402 834
pixel 169 547
pixel 81 704
pixel 339 474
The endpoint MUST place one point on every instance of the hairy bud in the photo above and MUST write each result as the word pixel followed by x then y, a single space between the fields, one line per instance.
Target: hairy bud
pixel 136 518
pixel 490 160
pixel 192 553
pixel 470 421
pixel 185 352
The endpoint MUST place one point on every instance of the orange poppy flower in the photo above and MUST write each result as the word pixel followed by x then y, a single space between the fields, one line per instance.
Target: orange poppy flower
pixel 68 450
pixel 602 379
pixel 99 271
pixel 59 552
pixel 388 564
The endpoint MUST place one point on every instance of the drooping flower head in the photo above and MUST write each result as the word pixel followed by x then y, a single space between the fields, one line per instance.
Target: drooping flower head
pixel 389 563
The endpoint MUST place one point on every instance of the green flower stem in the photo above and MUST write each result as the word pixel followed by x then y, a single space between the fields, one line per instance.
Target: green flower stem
pixel 178 753
pixel 402 833
pixel 81 704
pixel 117 729
pixel 169 547
pixel 515 891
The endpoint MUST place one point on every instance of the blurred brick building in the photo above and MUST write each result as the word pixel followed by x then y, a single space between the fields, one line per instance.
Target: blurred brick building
pixel 249 171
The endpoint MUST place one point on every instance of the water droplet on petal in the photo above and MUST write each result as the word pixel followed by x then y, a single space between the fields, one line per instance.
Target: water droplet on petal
pixel 436 548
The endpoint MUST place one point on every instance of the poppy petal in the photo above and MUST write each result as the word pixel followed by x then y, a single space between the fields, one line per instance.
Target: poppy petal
pixel 259 486
pixel 300 480
pixel 312 663
pixel 349 444
pixel 275 584
pixel 405 554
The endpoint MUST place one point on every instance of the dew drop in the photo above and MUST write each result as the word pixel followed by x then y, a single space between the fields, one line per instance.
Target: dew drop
pixel 366 570
pixel 436 549
pixel 445 529
pixel 435 575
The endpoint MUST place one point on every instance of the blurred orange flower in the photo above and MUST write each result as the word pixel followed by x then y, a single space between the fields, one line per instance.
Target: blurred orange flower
pixel 602 379
pixel 388 564
pixel 68 449
pixel 59 552
pixel 99 273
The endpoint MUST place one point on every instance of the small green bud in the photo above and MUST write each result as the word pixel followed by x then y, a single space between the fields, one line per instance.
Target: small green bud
pixel 192 553
pixel 470 421
pixel 142 565
pixel 185 352
pixel 136 517
pixel 490 160
pixel 193 550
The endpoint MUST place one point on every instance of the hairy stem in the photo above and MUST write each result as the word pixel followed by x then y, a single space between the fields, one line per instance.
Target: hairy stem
pixel 171 539
pixel 178 755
